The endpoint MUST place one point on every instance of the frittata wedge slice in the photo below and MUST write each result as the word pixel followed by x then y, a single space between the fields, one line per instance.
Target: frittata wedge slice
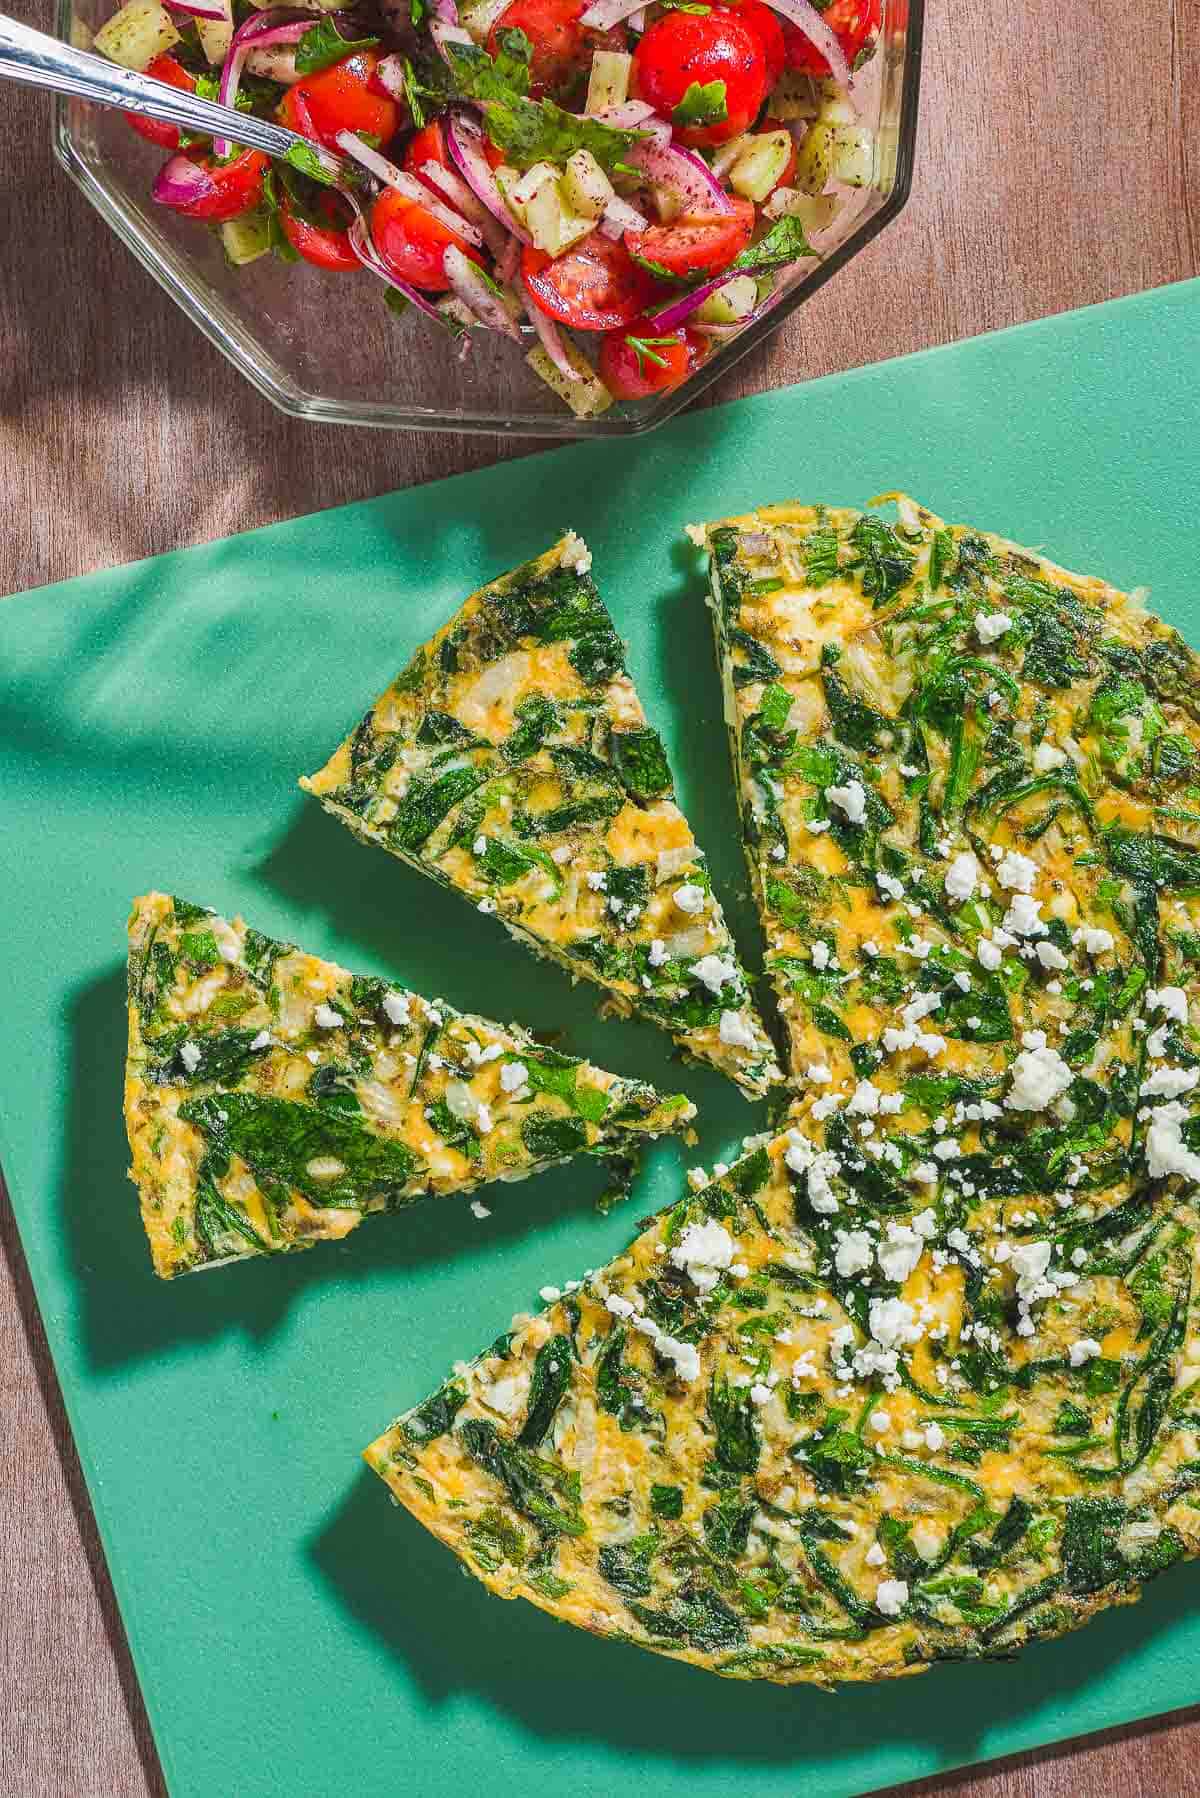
pixel 965 780
pixel 274 1100
pixel 512 761
pixel 793 1433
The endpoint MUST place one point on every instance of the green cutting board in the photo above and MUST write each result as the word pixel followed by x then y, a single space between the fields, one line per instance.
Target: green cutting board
pixel 295 1634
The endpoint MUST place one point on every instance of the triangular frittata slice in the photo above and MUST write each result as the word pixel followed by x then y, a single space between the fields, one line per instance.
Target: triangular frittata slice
pixel 824 1421
pixel 512 761
pixel 966 782
pixel 273 1100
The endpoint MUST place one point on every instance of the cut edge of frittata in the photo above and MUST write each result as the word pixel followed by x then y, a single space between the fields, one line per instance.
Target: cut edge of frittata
pixel 512 761
pixel 723 1449
pixel 273 1099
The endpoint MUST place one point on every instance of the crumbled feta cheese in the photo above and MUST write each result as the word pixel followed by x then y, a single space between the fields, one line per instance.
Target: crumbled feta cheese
pixel 1166 1151
pixel 262 1040
pixel 889 885
pixel 875 1556
pixel 513 1076
pixel 1016 872
pixel 850 799
pixel 1050 957
pixel 189 1055
pixel 989 956
pixel 854 1251
pixel 734 1031
pixel 880 1422
pixel 1047 756
pixel 715 971
pixel 396 1008
pixel 657 953
pixel 935 1438
pixel 597 879
pixel 991 625
pixel 865 1100
pixel 961 876
pixel 1171 999
pixel 549 1293
pixel 1029 1261
pixel 900 1252
pixel 925 1173
pixel 1085 1349
pixel 327 1018
pixel 1169 1083
pixel 704 1252
pixel 891 1596
pixel 561 854
pixel 820 955
pixel 479 846
pixel 1039 1076
pixel 479 1209
pixel 690 898
pixel 1096 941
pixel 1023 916
pixel 486 906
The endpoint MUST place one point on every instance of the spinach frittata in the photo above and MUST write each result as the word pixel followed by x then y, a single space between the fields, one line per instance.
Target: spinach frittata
pixel 274 1100
pixel 512 761
pixel 796 1431
pixel 916 1380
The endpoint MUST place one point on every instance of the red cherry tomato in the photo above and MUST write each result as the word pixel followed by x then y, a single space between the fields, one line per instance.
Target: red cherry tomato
pixel 695 246
pixel 344 97
pixel 767 28
pixel 156 131
pixel 681 49
pixel 494 156
pixel 235 187
pixel 413 243
pixel 325 246
pixel 562 47
pixel 855 24
pixel 641 359
pixel 594 286
pixel 429 145
pixel 785 180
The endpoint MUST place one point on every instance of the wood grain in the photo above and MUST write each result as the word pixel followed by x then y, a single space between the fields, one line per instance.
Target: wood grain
pixel 1057 167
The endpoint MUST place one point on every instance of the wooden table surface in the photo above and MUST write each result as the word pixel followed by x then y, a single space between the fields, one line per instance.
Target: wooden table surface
pixel 1059 164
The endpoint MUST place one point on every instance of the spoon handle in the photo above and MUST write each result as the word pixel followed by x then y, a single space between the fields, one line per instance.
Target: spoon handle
pixel 36 60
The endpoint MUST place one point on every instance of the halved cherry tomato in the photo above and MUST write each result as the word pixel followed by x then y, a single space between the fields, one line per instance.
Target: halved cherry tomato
pixel 641 359
pixel 681 50
pixel 562 47
pixel 413 242
pixel 325 246
pixel 236 186
pixel 157 131
pixel 429 145
pixel 767 28
pixel 344 97
pixel 695 246
pixel 855 24
pixel 494 156
pixel 594 286
pixel 785 180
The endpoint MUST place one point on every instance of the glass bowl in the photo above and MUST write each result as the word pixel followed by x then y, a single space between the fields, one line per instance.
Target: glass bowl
pixel 324 346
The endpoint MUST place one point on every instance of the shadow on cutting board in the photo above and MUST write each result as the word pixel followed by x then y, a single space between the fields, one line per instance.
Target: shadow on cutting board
pixel 128 1313
pixel 450 1636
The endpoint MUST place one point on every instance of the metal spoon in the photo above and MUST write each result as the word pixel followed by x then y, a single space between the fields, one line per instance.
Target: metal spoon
pixel 36 60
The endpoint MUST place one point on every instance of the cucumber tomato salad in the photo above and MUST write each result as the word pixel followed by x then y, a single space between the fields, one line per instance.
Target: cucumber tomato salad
pixel 619 186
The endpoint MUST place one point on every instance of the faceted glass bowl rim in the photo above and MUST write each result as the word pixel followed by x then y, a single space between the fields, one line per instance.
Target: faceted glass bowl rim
pixel 203 306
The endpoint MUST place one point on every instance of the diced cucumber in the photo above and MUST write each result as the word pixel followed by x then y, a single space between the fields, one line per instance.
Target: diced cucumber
pixel 853 160
pixel 588 396
pixel 526 186
pixel 835 109
pixel 136 34
pixel 759 167
pixel 608 82
pixel 553 225
pixel 815 159
pixel 215 34
pixel 731 303
pixel 245 238
pixel 586 189
pixel 795 97
pixel 725 155
pixel 81 35
pixel 816 212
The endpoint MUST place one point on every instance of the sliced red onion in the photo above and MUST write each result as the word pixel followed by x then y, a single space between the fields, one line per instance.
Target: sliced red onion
pixel 275 62
pixel 390 74
pixel 463 200
pixel 637 20
pixel 551 342
pixel 635 115
pixel 619 217
pixel 805 17
pixel 446 11
pixel 508 262
pixel 200 9
pixel 278 25
pixel 722 333
pixel 477 295
pixel 464 141
pixel 180 182
pixel 604 14
pixel 686 176
pixel 448 34
pixel 406 184
pixel 368 255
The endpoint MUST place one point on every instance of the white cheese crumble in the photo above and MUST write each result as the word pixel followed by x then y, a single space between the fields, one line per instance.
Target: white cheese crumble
pixel 704 1252
pixel 189 1055
pixel 1171 999
pixel 850 799
pixel 891 1596
pixel 1050 957
pixel 989 956
pixel 734 1031
pixel 1016 872
pixel 962 875
pixel 513 1076
pixel 715 971
pixel 327 1018
pixel 690 898
pixel 991 625
pixel 854 1252
pixel 396 1010
pixel 479 1209
pixel 1094 939
pixel 900 1252
pixel 1166 1151
pixel 262 1040
pixel 657 953
pixel 1039 1076
pixel 1047 756
pixel 1023 917
pixel 1085 1349
pixel 875 1556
